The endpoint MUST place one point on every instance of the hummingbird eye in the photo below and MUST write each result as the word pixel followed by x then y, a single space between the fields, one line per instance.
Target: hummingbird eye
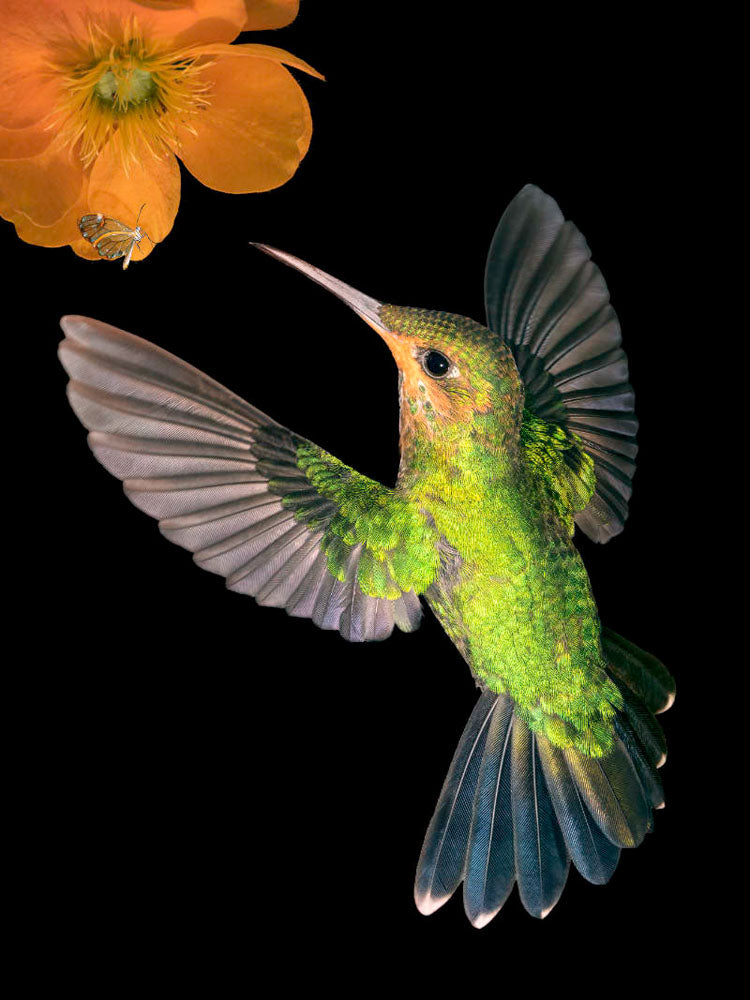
pixel 435 364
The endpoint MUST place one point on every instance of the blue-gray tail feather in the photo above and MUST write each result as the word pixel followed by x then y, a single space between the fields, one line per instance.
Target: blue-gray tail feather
pixel 441 866
pixel 516 809
pixel 490 865
pixel 541 856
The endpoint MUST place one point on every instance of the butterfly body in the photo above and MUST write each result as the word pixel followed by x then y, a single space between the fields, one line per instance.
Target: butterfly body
pixel 111 238
pixel 512 434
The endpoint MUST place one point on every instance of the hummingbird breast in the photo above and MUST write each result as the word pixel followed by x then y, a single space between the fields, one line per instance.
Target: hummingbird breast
pixel 513 594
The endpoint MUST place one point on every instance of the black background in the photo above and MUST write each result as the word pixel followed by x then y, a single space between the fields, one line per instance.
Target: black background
pixel 210 783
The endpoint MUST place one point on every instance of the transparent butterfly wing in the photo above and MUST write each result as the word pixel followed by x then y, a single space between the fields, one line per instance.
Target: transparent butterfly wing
pixel 112 246
pixel 92 226
pixel 111 238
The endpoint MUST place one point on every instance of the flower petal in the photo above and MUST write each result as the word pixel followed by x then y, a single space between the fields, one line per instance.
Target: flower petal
pixel 20 143
pixel 64 231
pixel 151 182
pixel 82 248
pixel 29 91
pixel 248 138
pixel 191 22
pixel 303 143
pixel 261 52
pixel 42 187
pixel 262 14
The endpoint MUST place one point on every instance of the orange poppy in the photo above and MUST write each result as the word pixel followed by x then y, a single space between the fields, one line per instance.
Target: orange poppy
pixel 98 97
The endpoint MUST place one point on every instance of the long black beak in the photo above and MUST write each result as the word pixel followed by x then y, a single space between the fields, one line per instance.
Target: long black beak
pixel 364 305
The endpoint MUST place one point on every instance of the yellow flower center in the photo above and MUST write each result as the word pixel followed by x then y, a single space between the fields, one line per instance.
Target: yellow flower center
pixel 127 88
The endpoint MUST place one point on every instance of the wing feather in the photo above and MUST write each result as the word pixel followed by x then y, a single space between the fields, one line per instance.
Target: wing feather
pixel 228 483
pixel 550 304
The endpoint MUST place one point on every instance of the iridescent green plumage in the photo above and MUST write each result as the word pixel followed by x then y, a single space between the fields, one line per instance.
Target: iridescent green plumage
pixel 511 435
pixel 400 547
pixel 495 493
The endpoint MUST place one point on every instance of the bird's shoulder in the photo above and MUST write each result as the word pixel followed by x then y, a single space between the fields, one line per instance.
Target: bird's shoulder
pixel 399 542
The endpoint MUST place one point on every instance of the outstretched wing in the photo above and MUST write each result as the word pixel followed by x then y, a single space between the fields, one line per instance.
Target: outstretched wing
pixel 275 515
pixel 549 303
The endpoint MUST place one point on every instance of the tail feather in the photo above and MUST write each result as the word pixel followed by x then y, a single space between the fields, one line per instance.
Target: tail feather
pixel 593 854
pixel 490 863
pixel 514 808
pixel 441 864
pixel 612 793
pixel 541 857
pixel 645 767
pixel 644 725
pixel 642 672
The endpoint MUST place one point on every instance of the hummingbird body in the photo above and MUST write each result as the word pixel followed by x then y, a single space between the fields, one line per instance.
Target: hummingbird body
pixel 511 590
pixel 497 570
pixel 512 435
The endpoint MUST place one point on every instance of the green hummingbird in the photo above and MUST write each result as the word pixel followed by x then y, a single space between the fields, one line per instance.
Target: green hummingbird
pixel 510 435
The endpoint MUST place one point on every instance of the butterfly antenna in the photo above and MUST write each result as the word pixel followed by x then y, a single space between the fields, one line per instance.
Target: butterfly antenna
pixel 139 213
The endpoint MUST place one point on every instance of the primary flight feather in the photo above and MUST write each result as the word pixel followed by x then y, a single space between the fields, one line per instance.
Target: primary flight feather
pixel 510 435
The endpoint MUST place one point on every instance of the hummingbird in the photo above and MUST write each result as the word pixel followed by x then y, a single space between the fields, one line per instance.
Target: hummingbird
pixel 511 436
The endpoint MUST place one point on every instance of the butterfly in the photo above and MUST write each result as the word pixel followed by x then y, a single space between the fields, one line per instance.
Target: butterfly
pixel 112 238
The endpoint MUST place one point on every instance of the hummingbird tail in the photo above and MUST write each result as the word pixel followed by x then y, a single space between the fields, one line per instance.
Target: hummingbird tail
pixel 514 808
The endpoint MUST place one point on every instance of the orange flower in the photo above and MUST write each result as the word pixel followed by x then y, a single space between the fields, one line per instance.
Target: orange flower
pixel 98 97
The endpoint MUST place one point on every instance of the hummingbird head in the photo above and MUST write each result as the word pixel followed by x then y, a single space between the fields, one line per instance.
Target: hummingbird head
pixel 451 369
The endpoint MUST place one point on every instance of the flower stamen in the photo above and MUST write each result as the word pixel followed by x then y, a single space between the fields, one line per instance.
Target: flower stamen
pixel 126 87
